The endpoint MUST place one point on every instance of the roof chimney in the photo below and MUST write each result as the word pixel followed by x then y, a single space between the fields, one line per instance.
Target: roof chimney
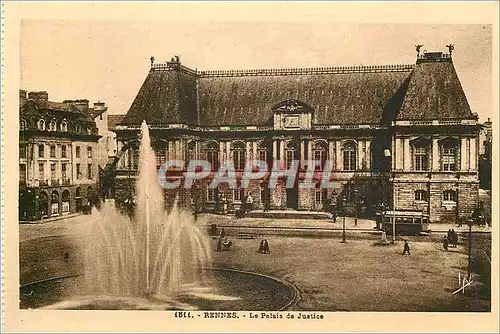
pixel 81 105
pixel 39 96
pixel 99 106
pixel 22 96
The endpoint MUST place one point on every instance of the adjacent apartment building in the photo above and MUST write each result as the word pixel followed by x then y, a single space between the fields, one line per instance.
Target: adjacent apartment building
pixel 58 156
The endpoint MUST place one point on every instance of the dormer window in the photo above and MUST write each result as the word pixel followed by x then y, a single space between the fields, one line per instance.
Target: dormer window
pixel 78 128
pixel 64 126
pixel 89 131
pixel 41 125
pixel 23 125
pixel 53 126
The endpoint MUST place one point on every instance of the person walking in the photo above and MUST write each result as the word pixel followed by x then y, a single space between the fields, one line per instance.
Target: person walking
pixel 406 248
pixel 445 243
pixel 266 247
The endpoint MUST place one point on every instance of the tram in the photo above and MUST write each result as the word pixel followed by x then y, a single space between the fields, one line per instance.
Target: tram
pixel 406 222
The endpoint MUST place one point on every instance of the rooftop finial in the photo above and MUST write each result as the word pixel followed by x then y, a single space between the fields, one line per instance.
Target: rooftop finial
pixel 450 47
pixel 152 59
pixel 418 47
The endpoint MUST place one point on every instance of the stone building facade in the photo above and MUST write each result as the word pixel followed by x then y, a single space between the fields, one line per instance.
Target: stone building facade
pixel 58 148
pixel 399 136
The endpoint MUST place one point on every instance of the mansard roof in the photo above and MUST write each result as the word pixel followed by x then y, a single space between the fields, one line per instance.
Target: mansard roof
pixel 435 92
pixel 173 94
pixel 358 95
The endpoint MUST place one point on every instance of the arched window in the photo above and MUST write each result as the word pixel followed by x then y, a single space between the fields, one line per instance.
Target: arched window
pixel 160 148
pixel 54 203
pixel 420 155
pixel 64 126
pixel 421 195
pixel 448 155
pixel 65 201
pixel 212 154
pixel 291 153
pixel 320 154
pixel 23 125
pixel 449 196
pixel 53 125
pixel 41 125
pixel 350 156
pixel 262 151
pixel 238 155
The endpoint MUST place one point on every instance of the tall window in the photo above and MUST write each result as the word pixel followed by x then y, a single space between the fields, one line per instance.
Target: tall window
pixel 52 125
pixel 41 151
pixel 89 171
pixel 77 152
pixel 41 171
pixel 22 173
pixel 239 155
pixel 421 196
pixel 212 154
pixel 54 203
pixel 53 171
pixel 420 157
pixel 52 151
pixel 262 152
pixel 319 196
pixel 78 171
pixel 350 156
pixel 291 153
pixel 159 149
pixel 449 196
pixel 237 194
pixel 448 157
pixel 22 151
pixel 211 195
pixel 320 154
pixel 41 125
pixel 89 151
pixel 64 175
pixel 23 125
pixel 63 151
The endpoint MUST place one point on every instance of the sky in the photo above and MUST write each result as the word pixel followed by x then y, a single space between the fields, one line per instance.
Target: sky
pixel 109 60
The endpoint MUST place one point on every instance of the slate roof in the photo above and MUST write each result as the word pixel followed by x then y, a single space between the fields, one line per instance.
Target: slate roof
pixel 173 93
pixel 435 92
pixel 113 120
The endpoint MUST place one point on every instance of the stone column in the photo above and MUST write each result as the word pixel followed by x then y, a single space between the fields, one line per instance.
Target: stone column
pixel 302 153
pixel 310 150
pixel 473 154
pixel 331 152
pixel 435 154
pixel 222 155
pixel 360 155
pixel 338 156
pixel 282 152
pixel 228 151
pixel 399 153
pixel 407 154
pixel 275 149
pixel 248 154
pixel 254 152
pixel 368 155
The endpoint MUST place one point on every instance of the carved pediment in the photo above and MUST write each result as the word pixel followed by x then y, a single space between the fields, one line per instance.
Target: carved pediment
pixel 292 106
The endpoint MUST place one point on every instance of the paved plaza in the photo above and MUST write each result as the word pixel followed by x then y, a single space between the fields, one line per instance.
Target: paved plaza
pixel 331 276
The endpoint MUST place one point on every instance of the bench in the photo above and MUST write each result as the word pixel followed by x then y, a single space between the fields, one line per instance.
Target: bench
pixel 246 235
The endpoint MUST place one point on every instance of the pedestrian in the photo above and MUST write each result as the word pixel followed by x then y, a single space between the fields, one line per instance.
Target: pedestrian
pixel 219 245
pixel 223 233
pixel 266 247
pixel 454 238
pixel 334 216
pixel 261 246
pixel 66 257
pixel 445 243
pixel 406 248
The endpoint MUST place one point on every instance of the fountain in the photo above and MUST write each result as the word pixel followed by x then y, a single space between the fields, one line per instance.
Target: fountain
pixel 155 260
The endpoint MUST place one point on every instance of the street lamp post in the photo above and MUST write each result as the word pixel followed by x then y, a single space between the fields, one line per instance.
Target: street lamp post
pixel 355 207
pixel 470 222
pixel 343 205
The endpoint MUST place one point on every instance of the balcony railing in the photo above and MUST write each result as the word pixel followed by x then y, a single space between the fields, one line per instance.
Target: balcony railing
pixel 54 182
pixel 66 182
pixel 42 183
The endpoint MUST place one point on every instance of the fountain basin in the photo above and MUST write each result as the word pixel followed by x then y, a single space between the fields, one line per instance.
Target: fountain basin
pixel 230 290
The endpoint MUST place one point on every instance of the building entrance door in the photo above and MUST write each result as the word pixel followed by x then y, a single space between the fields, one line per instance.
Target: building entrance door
pixel 292 198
